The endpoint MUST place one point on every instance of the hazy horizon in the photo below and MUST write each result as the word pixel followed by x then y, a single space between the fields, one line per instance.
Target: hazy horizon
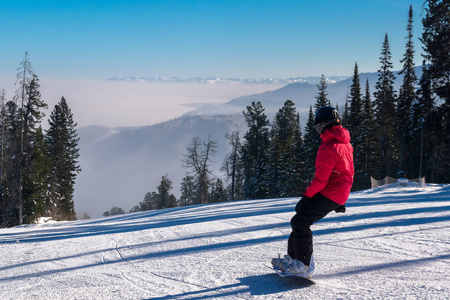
pixel 133 104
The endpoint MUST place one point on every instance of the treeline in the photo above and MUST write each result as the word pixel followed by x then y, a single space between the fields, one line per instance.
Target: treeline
pixel 403 133
pixel 38 167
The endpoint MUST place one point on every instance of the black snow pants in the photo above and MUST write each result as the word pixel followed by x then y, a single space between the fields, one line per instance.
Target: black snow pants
pixel 308 211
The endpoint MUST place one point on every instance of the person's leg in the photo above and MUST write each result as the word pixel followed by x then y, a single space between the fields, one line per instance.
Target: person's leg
pixel 309 211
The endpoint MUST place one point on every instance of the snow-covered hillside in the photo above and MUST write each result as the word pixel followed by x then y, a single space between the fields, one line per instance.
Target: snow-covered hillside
pixel 391 244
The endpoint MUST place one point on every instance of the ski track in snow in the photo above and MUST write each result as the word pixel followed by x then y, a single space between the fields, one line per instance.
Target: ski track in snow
pixel 393 243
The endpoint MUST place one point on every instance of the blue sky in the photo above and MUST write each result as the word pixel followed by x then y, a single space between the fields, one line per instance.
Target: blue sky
pixel 245 38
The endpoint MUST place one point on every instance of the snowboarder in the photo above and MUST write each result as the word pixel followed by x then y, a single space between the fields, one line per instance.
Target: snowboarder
pixel 328 191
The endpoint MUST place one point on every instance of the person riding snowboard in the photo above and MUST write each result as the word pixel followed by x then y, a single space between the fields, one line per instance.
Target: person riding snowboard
pixel 328 191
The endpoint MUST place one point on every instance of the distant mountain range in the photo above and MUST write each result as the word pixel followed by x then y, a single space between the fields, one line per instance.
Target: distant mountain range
pixel 301 93
pixel 213 80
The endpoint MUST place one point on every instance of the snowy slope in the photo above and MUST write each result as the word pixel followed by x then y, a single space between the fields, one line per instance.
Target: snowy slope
pixel 391 244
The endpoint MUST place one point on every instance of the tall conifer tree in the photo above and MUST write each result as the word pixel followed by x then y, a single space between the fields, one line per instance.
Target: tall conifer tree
pixel 3 130
pixel 188 191
pixel 312 137
pixel 406 98
pixel 345 115
pixel 369 142
pixel 255 152
pixel 218 192
pixel 435 40
pixel 63 152
pixel 23 79
pixel 354 125
pixel 385 103
pixel 423 136
pixel 35 180
pixel 11 165
pixel 166 199
pixel 311 145
pixel 322 95
pixel 297 178
pixel 284 131
pixel 34 160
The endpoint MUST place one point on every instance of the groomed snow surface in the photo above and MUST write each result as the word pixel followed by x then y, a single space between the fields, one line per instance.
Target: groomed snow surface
pixel 393 243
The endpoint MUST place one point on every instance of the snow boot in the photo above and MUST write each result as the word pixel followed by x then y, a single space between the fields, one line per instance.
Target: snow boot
pixel 298 268
pixel 281 263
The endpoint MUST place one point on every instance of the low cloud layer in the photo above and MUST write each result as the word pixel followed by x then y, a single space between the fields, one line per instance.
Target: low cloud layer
pixel 116 103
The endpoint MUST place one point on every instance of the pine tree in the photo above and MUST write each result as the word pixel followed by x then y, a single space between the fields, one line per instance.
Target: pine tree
pixel 255 152
pixel 23 79
pixel 11 164
pixel 172 201
pixel 435 40
pixel 63 152
pixel 283 133
pixel 369 142
pixel 218 192
pixel 296 179
pixel 187 191
pixel 35 180
pixel 3 130
pixel 150 202
pixel 312 137
pixel 114 211
pixel 34 160
pixel 406 98
pixel 385 114
pixel 355 106
pixel 345 115
pixel 354 125
pixel 20 125
pixel 310 146
pixel 166 199
pixel 423 138
pixel 322 95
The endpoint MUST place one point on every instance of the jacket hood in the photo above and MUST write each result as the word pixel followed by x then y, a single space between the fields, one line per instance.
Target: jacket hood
pixel 338 132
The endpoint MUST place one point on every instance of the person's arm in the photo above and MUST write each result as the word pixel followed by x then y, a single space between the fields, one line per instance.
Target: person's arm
pixel 325 162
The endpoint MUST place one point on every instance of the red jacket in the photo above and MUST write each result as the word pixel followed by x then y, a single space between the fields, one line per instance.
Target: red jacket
pixel 334 166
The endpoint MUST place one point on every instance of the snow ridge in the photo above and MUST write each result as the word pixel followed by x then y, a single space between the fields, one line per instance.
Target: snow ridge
pixel 218 80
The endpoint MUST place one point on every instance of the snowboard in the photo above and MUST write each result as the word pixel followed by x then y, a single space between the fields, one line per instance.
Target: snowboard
pixel 287 274
pixel 305 281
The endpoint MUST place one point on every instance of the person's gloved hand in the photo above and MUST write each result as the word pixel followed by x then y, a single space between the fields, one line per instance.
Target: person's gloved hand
pixel 340 209
pixel 305 198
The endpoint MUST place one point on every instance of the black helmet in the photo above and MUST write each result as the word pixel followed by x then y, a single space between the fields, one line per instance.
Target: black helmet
pixel 326 117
